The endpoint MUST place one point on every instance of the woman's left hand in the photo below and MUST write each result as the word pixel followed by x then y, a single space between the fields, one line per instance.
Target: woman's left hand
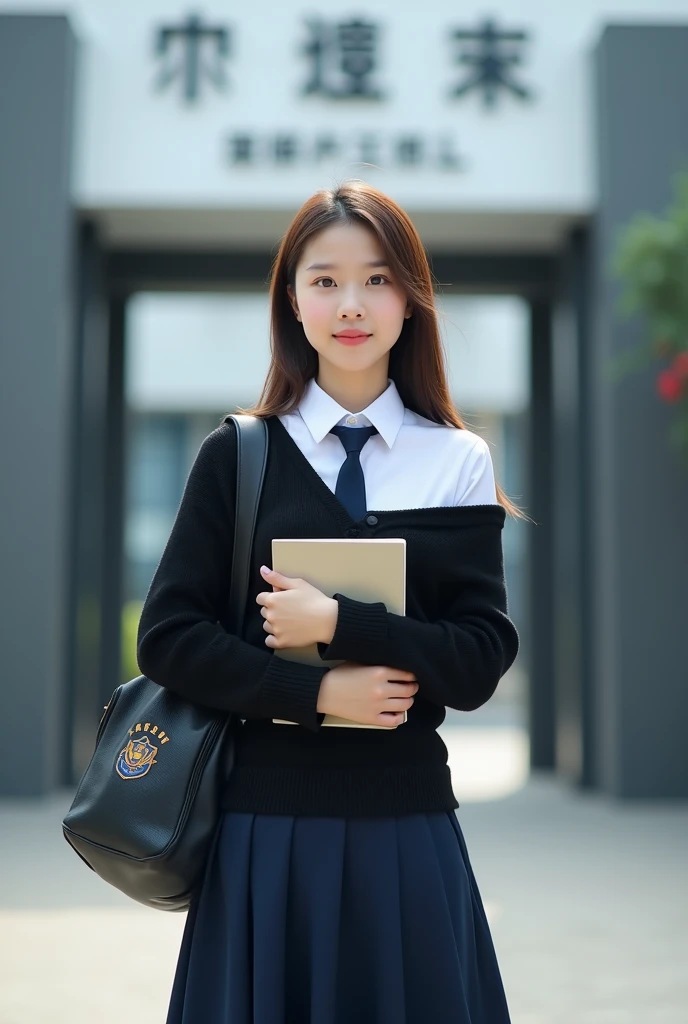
pixel 296 614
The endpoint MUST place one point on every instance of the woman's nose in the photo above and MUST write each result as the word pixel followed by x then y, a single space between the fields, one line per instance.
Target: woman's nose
pixel 350 306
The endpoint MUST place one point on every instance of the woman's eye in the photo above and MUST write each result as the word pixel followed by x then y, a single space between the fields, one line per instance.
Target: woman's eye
pixel 322 280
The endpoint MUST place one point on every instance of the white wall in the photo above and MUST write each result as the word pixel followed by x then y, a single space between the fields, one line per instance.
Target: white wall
pixel 488 351
pixel 196 352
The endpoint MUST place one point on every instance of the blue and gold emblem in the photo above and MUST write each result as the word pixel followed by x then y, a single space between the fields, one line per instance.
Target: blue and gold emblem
pixel 138 756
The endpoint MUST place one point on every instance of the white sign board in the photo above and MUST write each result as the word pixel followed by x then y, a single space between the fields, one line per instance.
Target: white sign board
pixel 445 106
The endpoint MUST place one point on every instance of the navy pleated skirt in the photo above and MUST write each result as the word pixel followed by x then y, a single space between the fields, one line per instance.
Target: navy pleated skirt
pixel 304 920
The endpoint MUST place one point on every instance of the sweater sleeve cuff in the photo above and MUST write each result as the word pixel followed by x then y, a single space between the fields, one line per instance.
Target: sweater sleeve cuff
pixel 290 690
pixel 360 633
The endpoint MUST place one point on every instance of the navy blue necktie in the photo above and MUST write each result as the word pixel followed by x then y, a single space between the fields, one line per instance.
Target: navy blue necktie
pixel 350 487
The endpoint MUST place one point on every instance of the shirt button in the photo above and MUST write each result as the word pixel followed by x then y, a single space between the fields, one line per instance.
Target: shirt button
pixel 352 421
pixel 371 520
pixel 353 532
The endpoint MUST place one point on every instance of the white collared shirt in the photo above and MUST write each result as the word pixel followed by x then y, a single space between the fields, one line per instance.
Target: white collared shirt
pixel 411 463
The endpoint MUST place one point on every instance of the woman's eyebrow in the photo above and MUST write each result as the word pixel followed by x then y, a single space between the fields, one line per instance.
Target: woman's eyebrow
pixel 333 266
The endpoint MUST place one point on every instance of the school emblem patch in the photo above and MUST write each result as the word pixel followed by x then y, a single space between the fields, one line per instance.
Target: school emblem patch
pixel 136 758
pixel 139 754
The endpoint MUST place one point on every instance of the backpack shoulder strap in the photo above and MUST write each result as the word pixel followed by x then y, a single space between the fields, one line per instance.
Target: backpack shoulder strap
pixel 252 455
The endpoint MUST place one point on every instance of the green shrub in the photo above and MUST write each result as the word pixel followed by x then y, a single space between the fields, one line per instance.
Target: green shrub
pixel 651 258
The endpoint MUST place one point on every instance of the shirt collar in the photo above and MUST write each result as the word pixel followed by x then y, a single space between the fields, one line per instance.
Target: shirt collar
pixel 320 412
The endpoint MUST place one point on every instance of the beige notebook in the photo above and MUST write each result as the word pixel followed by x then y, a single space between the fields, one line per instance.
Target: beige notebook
pixel 365 569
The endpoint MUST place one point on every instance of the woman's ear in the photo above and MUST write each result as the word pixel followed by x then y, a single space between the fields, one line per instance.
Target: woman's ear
pixel 292 299
pixel 408 312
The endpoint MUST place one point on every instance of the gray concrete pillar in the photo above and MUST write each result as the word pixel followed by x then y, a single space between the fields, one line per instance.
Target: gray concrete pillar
pixel 540 505
pixel 37 57
pixel 639 487
pixel 571 452
pixel 89 584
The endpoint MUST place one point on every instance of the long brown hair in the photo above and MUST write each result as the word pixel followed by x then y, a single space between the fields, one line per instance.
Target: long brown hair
pixel 416 360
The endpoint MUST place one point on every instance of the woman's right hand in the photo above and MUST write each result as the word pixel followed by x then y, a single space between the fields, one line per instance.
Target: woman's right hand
pixel 369 694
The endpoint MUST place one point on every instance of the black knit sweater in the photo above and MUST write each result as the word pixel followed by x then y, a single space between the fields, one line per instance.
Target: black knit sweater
pixel 456 637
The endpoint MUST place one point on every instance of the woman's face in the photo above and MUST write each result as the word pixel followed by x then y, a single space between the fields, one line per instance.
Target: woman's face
pixel 342 283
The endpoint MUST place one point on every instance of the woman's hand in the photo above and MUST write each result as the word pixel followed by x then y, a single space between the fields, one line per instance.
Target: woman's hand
pixel 296 614
pixel 369 694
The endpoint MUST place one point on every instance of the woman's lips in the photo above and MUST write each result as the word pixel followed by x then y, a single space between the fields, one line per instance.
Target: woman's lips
pixel 352 339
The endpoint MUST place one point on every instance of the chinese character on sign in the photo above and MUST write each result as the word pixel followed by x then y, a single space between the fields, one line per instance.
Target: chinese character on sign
pixel 193 40
pixel 241 148
pixel 343 58
pixel 287 149
pixel 490 58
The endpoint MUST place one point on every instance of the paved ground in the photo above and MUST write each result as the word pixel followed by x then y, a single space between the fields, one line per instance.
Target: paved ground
pixel 587 900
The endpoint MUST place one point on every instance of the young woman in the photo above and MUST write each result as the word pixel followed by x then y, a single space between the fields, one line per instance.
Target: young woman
pixel 340 890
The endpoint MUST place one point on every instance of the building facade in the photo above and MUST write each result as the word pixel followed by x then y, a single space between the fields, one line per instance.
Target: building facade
pixel 149 150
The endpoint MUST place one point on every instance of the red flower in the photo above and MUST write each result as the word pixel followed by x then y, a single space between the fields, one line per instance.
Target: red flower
pixel 680 364
pixel 669 386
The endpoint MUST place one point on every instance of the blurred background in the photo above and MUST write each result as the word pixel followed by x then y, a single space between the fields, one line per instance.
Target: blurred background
pixel 151 157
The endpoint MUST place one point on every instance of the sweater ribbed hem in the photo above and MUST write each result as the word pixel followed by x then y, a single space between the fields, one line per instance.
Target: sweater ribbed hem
pixel 344 792
pixel 360 633
pixel 291 688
